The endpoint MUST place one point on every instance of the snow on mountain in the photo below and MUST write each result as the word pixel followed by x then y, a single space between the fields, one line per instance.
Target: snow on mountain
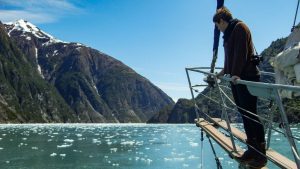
pixel 27 27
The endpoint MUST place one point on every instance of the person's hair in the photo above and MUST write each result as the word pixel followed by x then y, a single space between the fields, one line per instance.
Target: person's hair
pixel 222 13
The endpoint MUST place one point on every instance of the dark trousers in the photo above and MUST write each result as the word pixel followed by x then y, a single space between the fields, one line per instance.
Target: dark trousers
pixel 242 97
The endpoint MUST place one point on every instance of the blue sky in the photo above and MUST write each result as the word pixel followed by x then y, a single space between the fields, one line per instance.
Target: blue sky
pixel 157 38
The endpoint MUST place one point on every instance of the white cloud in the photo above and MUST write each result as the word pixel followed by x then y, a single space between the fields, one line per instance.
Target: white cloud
pixel 13 15
pixel 36 11
pixel 39 5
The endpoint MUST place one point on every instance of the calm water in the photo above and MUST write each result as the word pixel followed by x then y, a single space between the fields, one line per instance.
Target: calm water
pixel 110 146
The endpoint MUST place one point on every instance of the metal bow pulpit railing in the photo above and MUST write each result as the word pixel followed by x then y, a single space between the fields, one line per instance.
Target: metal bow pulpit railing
pixel 267 91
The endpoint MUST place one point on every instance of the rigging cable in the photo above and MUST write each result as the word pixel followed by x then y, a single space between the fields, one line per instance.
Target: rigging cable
pixel 202 138
pixel 295 16
pixel 219 165
pixel 262 118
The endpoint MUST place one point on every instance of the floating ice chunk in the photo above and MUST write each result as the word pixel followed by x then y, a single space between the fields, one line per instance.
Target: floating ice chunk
pixel 53 154
pixel 79 135
pixel 193 157
pixel 178 159
pixel 139 143
pixel 96 141
pixel 185 165
pixel 116 165
pixel 128 143
pixel 34 148
pixel 148 161
pixel 113 150
pixel 109 137
pixel 194 144
pixel 167 159
pixel 62 155
pixel 181 154
pixel 3 134
pixel 1 148
pixel 277 139
pixel 108 142
pixel 64 146
pixel 24 138
pixel 0 139
pixel 69 140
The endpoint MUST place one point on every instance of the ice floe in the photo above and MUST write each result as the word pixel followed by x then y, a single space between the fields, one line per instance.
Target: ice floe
pixel 64 146
pixel 53 154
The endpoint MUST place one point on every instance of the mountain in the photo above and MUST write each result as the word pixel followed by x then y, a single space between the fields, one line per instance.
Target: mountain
pixel 91 85
pixel 184 112
pixel 24 95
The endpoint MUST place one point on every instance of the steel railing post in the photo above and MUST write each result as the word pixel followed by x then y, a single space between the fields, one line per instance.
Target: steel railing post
pixel 288 131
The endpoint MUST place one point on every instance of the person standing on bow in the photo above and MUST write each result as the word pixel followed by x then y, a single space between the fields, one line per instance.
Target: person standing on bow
pixel 239 51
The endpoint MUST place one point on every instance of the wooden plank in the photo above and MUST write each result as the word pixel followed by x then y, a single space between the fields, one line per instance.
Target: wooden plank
pixel 222 140
pixel 219 137
pixel 274 156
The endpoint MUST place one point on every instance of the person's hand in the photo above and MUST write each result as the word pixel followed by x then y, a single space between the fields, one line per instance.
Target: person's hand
pixel 220 74
pixel 234 79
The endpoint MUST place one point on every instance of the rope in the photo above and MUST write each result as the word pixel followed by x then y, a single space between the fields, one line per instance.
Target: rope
pixel 295 18
pixel 219 165
pixel 202 138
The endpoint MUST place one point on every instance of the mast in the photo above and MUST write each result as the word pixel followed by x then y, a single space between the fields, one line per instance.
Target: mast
pixel 220 3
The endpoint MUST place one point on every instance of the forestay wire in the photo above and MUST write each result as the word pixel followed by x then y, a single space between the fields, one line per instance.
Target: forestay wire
pixel 220 3
pixel 295 18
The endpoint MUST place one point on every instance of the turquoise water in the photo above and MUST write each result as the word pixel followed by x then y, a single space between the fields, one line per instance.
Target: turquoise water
pixel 110 146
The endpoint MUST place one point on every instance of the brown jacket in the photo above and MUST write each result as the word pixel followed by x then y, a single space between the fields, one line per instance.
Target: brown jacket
pixel 238 48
